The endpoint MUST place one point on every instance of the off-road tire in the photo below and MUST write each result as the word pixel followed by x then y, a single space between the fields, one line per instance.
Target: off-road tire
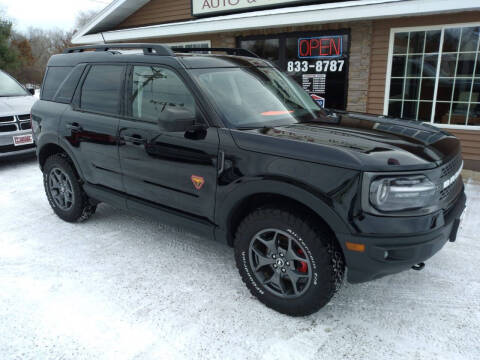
pixel 81 208
pixel 321 248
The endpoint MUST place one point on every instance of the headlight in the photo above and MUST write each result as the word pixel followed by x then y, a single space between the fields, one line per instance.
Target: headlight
pixel 402 193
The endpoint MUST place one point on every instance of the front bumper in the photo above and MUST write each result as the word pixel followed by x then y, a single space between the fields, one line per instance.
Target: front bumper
pixel 402 251
pixel 7 148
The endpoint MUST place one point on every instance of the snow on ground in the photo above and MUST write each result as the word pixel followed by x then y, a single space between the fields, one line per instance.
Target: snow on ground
pixel 122 286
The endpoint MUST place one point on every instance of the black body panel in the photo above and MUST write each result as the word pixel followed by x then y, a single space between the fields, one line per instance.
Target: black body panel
pixel 321 165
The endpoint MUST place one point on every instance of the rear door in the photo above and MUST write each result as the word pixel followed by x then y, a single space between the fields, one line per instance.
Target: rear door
pixel 160 163
pixel 90 125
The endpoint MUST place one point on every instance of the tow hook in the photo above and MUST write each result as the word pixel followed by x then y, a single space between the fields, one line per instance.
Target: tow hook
pixel 419 266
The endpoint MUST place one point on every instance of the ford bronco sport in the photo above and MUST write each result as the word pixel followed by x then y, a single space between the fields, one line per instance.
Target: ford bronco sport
pixel 231 148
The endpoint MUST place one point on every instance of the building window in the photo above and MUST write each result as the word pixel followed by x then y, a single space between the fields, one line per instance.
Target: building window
pixel 318 61
pixel 192 44
pixel 434 75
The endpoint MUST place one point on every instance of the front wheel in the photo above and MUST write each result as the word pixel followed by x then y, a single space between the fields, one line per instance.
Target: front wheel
pixel 64 191
pixel 288 263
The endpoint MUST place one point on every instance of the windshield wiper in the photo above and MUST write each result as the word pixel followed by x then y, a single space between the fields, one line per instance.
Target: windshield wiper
pixel 263 128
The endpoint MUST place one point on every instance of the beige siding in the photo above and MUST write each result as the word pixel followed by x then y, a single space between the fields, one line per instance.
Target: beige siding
pixel 157 12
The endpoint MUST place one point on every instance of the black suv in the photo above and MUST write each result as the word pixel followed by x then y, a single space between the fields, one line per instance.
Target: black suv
pixel 231 148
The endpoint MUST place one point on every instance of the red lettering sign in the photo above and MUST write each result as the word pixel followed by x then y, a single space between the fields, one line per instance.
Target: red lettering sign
pixel 320 47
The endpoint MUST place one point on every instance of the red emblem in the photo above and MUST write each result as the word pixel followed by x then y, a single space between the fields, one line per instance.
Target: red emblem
pixel 197 181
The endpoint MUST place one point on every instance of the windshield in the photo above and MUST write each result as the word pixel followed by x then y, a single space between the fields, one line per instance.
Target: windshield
pixel 10 87
pixel 257 97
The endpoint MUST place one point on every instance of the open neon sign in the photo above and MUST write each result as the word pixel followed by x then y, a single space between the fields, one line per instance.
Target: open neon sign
pixel 320 47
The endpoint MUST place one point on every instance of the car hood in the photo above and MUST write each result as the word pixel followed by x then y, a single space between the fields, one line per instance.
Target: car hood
pixel 356 141
pixel 16 105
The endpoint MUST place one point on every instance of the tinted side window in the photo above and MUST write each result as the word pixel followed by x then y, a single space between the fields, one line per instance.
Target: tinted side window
pixel 101 89
pixel 53 79
pixel 158 95
pixel 67 88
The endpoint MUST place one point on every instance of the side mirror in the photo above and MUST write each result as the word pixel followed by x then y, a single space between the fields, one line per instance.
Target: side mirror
pixel 176 119
pixel 196 132
pixel 31 91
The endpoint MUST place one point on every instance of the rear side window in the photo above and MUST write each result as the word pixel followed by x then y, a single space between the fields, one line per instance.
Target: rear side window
pixel 102 89
pixel 53 79
pixel 67 88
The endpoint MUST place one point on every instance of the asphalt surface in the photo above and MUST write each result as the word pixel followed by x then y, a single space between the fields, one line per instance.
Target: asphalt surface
pixel 122 286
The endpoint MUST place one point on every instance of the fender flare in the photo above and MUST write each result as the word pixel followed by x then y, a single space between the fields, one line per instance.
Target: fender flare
pixel 313 201
pixel 51 139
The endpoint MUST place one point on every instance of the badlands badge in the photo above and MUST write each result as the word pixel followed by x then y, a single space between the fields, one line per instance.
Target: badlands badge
pixel 197 181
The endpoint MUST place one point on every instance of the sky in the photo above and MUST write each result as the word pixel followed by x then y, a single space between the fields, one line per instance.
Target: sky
pixel 47 14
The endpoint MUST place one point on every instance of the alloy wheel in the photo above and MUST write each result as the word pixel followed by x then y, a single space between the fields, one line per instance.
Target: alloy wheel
pixel 280 263
pixel 60 188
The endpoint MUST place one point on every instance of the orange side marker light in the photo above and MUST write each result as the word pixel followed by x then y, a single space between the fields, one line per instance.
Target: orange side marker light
pixel 355 247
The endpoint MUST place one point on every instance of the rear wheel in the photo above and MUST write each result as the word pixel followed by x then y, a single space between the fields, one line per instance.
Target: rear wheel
pixel 64 191
pixel 290 264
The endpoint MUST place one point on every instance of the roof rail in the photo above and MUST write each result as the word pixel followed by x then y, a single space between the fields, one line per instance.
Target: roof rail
pixel 229 51
pixel 148 49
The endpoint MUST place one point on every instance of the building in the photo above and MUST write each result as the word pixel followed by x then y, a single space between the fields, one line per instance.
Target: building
pixel 416 59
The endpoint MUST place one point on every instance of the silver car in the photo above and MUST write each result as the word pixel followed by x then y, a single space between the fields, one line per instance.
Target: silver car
pixel 15 127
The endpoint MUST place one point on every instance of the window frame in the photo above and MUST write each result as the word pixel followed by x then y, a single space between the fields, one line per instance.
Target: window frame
pixel 183 44
pixel 128 85
pixel 388 76
pixel 77 97
pixel 44 82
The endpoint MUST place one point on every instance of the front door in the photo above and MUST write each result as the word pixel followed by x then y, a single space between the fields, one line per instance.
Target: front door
pixel 159 163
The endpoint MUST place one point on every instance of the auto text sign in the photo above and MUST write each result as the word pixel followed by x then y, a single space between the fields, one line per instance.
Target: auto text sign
pixel 206 7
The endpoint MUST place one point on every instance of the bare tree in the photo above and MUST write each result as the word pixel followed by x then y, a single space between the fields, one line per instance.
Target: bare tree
pixel 33 49
pixel 83 18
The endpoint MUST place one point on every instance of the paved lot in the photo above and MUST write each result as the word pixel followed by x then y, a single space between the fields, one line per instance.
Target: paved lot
pixel 126 287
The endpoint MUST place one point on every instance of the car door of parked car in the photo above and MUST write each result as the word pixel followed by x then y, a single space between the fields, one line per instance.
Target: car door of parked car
pixel 90 125
pixel 168 154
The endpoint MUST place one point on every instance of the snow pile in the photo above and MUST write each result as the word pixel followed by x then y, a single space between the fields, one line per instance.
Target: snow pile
pixel 126 287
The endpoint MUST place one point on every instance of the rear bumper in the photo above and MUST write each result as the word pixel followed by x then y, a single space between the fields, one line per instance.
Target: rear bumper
pixel 386 255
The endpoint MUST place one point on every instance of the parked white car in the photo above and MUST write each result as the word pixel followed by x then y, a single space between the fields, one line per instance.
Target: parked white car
pixel 15 126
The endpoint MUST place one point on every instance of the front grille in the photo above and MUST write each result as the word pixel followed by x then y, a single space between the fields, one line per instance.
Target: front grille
pixel 448 195
pixel 451 168
pixel 6 118
pixel 23 117
pixel 25 125
pixel 10 148
pixel 449 190
pixel 8 128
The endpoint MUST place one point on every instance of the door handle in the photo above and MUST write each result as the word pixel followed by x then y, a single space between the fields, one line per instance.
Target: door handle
pixel 134 139
pixel 74 127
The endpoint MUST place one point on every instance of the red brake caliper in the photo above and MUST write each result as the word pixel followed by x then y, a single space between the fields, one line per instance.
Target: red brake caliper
pixel 303 265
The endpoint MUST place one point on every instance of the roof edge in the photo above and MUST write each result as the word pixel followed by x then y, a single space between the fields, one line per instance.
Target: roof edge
pixel 331 12
pixel 108 11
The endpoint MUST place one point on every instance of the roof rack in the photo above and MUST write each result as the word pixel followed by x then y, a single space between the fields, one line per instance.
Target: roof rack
pixel 148 49
pixel 229 51
pixel 158 49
